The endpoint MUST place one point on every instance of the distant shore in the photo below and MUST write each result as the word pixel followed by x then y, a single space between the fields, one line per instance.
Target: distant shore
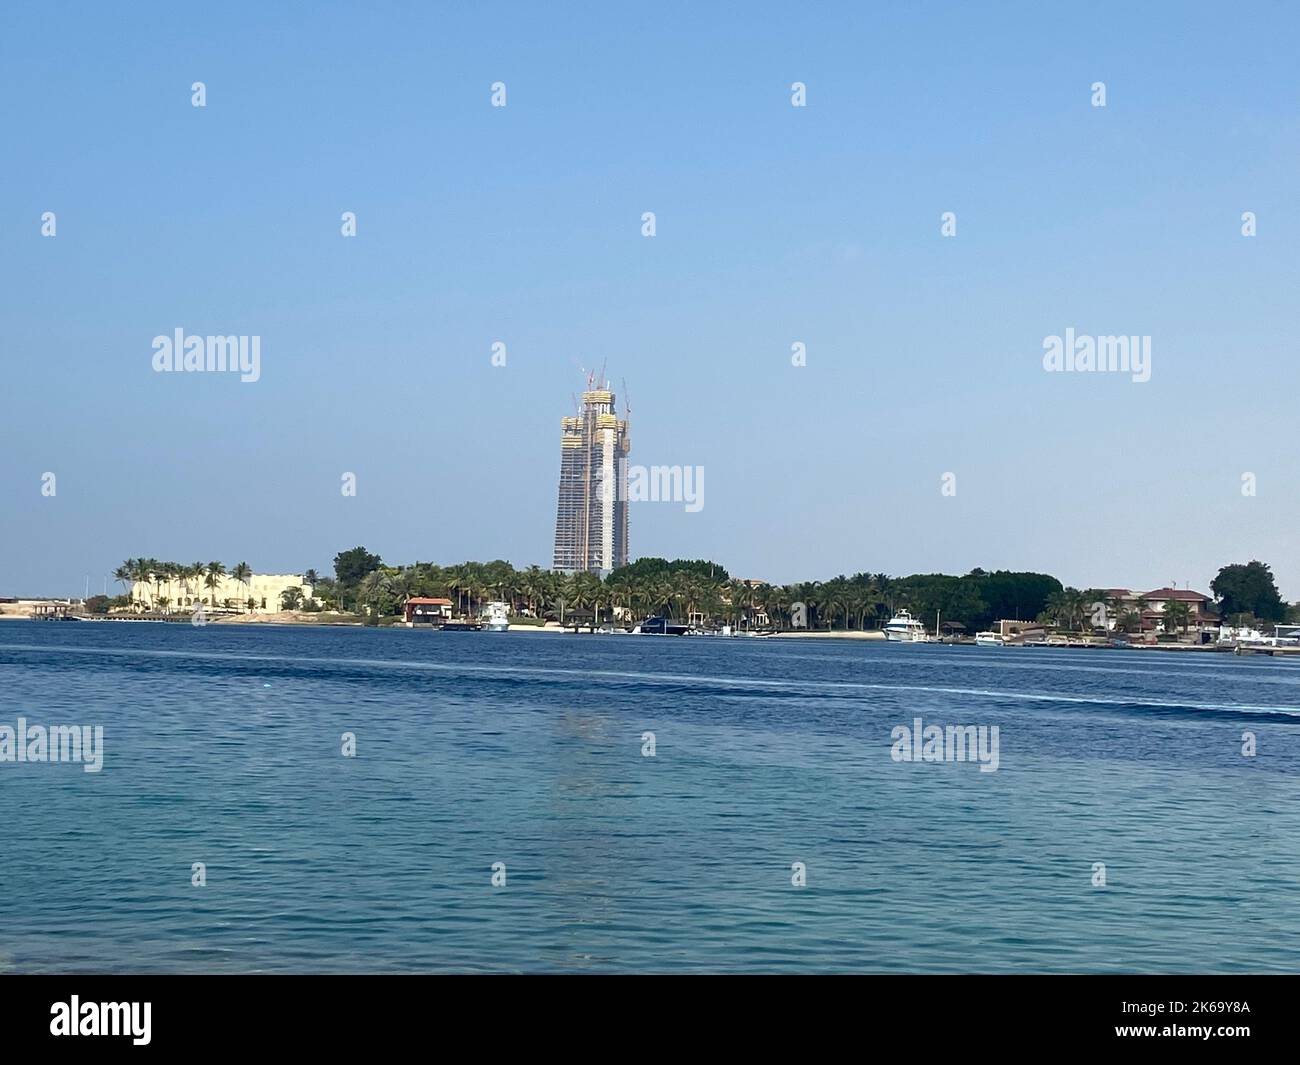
pixel 21 610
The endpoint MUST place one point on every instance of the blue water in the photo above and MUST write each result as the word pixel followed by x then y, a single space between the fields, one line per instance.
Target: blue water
pixel 222 746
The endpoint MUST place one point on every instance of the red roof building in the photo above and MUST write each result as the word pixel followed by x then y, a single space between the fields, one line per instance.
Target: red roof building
pixel 419 608
pixel 1204 614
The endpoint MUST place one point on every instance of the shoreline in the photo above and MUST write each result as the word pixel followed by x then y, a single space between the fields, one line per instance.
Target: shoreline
pixel 21 611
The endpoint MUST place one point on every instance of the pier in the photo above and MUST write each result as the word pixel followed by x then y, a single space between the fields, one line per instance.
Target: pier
pixel 53 612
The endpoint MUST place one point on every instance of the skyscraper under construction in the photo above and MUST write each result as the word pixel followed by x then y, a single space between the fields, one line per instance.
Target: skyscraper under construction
pixel 591 516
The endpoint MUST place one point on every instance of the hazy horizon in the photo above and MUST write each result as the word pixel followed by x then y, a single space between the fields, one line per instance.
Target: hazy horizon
pixel 775 225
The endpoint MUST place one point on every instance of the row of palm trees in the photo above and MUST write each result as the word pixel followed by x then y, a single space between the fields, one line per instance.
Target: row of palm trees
pixel 681 594
pixel 155 581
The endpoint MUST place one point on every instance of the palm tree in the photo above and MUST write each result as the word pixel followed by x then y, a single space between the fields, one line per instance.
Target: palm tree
pixel 507 588
pixel 216 571
pixel 659 595
pixel 456 583
pixel 139 578
pixel 197 569
pixel 123 573
pixel 600 598
pixel 1117 607
pixel 373 587
pixel 1067 608
pixel 776 602
pixel 154 575
pixel 532 587
pixel 885 589
pixel 163 579
pixel 175 572
pixel 1141 606
pixel 557 595
pixel 1176 613
pixel 620 591
pixel 810 594
pixel 241 574
pixel 737 593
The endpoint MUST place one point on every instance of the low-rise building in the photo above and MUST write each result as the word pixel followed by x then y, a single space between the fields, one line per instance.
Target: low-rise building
pixel 425 611
pixel 1150 606
pixel 264 589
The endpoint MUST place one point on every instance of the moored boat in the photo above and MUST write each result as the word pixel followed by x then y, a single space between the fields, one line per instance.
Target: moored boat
pixel 903 628
pixel 497 617
pixel 657 626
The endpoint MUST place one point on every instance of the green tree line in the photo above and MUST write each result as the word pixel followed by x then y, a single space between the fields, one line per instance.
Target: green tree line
pixel 684 588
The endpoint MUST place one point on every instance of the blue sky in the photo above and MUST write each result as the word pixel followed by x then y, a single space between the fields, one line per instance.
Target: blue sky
pixel 774 225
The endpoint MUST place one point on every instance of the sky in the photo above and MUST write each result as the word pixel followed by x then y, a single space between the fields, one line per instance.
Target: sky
pixel 774 225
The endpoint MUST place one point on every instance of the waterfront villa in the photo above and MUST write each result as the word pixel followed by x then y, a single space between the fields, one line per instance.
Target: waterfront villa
pixel 1202 616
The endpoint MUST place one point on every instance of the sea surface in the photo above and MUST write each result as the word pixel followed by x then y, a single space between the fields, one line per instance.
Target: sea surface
pixel 223 745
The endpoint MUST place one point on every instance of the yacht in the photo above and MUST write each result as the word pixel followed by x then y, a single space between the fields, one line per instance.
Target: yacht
pixel 659 626
pixel 903 628
pixel 497 617
pixel 989 639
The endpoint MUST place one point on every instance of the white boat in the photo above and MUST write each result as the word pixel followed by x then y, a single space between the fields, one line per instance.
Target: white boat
pixel 989 639
pixel 497 617
pixel 903 628
pixel 1244 637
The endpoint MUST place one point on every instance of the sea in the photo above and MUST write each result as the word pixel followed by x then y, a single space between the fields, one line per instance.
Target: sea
pixel 338 800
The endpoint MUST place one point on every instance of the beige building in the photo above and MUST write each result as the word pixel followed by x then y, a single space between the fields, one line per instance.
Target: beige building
pixel 1202 613
pixel 177 594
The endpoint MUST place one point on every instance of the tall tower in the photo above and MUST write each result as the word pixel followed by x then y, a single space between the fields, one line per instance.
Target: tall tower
pixel 591 515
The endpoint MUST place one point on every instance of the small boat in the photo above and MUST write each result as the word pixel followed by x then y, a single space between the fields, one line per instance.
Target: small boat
pixel 903 628
pixel 989 639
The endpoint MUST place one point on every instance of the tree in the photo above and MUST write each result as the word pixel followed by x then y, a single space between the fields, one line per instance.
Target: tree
pixel 140 580
pixel 1129 621
pixel 197 569
pixel 351 567
pixel 1176 614
pixel 325 591
pixel 377 592
pixel 291 598
pixel 1068 609
pixel 216 570
pixel 1248 589
pixel 241 573
pixel 123 574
